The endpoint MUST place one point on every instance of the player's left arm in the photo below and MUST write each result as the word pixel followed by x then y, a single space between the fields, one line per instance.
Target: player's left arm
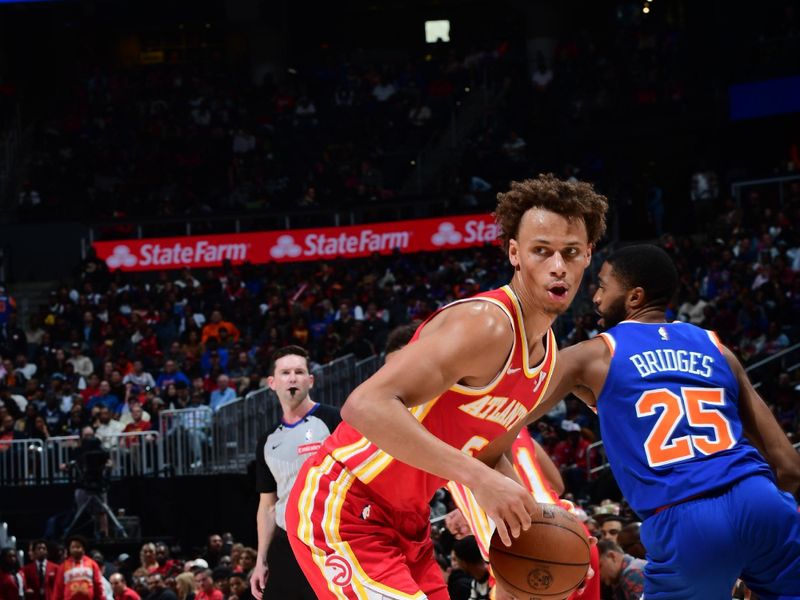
pixel 580 370
pixel 763 430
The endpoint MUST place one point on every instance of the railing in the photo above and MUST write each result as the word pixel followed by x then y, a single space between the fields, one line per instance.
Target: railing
pixel 780 182
pixel 333 381
pixel 59 451
pixel 22 462
pixel 189 441
pixel 603 463
pixel 787 360
pixel 365 368
pixel 409 208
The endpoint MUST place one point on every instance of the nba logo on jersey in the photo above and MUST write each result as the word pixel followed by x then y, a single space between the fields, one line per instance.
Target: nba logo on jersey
pixel 663 333
pixel 309 435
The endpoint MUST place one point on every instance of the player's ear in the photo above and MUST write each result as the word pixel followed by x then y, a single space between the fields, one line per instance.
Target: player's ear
pixel 513 253
pixel 636 298
pixel 311 381
pixel 589 250
pixel 271 382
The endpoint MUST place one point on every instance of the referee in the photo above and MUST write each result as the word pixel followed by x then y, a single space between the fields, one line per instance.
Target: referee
pixel 280 454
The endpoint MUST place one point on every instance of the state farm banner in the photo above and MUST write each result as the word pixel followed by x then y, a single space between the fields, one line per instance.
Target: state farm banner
pixel 298 244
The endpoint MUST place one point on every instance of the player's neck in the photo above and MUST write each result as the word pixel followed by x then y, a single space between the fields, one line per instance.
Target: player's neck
pixel 647 315
pixel 536 320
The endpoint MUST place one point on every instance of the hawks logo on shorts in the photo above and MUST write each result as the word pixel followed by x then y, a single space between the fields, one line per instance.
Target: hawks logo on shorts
pixel 338 570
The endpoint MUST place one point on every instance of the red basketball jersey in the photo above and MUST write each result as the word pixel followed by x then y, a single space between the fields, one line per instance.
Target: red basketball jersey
pixel 464 417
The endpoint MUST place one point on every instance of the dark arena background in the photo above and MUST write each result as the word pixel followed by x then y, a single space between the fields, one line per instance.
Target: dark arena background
pixel 320 173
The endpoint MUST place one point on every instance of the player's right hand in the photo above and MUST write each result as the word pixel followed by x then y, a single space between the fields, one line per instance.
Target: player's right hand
pixel 506 503
pixel 259 580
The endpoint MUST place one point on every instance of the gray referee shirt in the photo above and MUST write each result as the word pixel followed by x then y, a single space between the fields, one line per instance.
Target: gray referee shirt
pixel 283 450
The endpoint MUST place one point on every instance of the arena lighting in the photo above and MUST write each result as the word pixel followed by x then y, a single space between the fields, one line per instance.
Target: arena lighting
pixel 646 9
pixel 437 31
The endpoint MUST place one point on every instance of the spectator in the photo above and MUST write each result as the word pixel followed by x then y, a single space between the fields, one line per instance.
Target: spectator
pixel 40 573
pixel 622 572
pixel 53 416
pixel 570 457
pixel 121 589
pixel 211 329
pixel 469 559
pixel 12 579
pixel 205 586
pixel 92 389
pixel 630 542
pixel 139 420
pixel 223 394
pixel 157 588
pixel 108 428
pixel 185 586
pixel 248 561
pixel 78 577
pixel 610 527
pixel 82 364
pixel 693 309
pixel 171 374
pixel 166 565
pixel 214 550
pixel 105 398
pixel 139 379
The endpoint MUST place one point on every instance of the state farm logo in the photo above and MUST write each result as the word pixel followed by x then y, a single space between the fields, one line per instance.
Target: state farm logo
pixel 338 571
pixel 121 257
pixel 447 235
pixel 285 247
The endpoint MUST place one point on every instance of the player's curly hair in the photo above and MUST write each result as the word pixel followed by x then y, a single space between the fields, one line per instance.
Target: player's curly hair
pixel 573 200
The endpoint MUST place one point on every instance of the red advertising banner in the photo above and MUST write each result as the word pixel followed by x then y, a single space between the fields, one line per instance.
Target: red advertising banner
pixel 298 244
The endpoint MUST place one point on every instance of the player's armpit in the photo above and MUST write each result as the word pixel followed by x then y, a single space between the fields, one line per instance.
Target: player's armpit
pixel 580 370
pixel 764 431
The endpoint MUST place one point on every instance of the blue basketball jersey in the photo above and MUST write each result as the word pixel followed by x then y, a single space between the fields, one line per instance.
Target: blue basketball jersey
pixel 669 415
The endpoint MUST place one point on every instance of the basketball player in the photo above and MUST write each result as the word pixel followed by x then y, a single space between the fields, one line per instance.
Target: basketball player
pixel 446 407
pixel 280 453
pixel 680 420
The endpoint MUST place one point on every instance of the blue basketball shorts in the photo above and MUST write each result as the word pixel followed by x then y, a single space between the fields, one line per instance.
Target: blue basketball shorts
pixel 697 549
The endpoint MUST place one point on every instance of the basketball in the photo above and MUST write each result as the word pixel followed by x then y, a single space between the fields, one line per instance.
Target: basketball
pixel 549 560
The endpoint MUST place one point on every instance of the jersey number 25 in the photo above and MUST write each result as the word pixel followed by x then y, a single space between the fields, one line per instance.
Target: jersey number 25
pixel 693 405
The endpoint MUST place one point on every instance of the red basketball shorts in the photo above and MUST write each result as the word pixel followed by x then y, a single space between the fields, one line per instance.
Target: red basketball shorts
pixel 351 547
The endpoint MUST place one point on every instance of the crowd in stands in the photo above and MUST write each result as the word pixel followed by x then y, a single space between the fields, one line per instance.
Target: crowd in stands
pixel 112 350
pixel 158 342
pixel 219 571
pixel 177 139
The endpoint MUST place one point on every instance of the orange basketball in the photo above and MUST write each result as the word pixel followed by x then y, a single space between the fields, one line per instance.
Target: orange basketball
pixel 549 560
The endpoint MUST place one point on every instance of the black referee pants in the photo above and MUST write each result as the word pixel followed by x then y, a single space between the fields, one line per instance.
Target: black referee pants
pixel 286 580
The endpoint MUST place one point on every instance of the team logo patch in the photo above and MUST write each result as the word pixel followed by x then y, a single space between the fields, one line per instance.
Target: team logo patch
pixel 365 513
pixel 338 571
pixel 540 579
